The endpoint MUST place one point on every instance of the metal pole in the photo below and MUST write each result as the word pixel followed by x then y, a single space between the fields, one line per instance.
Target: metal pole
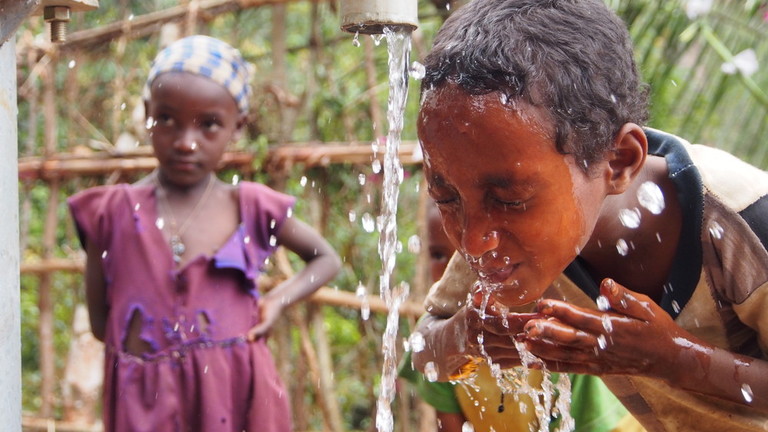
pixel 10 321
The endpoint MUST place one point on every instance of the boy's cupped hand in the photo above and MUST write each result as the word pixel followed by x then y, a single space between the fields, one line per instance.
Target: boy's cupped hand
pixel 633 335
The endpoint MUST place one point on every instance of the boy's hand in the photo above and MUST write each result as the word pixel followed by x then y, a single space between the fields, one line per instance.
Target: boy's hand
pixel 634 336
pixel 494 328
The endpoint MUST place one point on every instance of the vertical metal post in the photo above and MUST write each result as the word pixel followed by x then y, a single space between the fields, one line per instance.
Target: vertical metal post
pixel 10 321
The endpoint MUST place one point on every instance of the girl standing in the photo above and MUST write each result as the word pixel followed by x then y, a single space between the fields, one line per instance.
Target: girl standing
pixel 172 262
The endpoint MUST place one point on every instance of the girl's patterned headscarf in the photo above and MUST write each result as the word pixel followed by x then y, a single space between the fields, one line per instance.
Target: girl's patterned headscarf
pixel 208 57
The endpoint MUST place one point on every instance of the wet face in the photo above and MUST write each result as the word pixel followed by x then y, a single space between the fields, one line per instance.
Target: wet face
pixel 193 119
pixel 516 208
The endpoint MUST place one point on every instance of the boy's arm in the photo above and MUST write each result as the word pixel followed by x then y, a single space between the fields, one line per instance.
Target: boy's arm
pixel 636 337
pixel 322 264
pixel 95 292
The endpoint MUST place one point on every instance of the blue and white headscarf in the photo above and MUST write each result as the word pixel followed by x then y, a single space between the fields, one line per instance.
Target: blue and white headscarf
pixel 208 57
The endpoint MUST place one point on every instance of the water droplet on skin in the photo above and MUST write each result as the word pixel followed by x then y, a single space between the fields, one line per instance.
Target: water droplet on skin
pixel 303 181
pixel 430 371
pixel 193 146
pixel 414 244
pixel 746 391
pixel 607 325
pixel 361 179
pixel 622 248
pixel 159 223
pixel 376 166
pixel 651 197
pixel 417 342
pixel 602 303
pixel 368 222
pixel 352 216
pixel 630 218
pixel 715 230
pixel 601 342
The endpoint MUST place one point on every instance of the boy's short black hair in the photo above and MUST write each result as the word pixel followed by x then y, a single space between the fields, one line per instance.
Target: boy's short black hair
pixel 574 58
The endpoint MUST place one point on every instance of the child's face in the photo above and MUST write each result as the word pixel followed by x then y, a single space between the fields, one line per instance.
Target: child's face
pixel 518 209
pixel 193 119
pixel 440 247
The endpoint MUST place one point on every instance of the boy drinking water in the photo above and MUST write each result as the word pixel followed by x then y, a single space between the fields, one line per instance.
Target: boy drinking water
pixel 643 257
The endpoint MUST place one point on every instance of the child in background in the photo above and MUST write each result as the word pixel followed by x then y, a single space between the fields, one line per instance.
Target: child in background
pixel 173 260
pixel 592 406
pixel 644 256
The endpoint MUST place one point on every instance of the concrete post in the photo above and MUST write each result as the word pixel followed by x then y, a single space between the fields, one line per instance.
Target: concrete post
pixel 10 321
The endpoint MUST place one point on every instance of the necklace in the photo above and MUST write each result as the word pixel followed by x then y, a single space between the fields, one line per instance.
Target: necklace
pixel 177 246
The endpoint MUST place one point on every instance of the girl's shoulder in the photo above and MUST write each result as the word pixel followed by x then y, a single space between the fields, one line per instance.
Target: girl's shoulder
pixel 252 192
pixel 106 195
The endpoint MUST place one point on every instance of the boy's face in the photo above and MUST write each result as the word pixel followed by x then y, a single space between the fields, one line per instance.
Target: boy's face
pixel 192 120
pixel 515 207
pixel 440 247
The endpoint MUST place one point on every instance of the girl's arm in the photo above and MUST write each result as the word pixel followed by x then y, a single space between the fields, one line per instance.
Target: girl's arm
pixel 95 292
pixel 322 264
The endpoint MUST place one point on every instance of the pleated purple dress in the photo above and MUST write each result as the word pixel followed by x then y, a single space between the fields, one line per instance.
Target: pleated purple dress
pixel 201 374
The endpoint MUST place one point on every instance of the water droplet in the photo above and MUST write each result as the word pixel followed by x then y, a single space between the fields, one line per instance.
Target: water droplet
pixel 715 230
pixel 369 224
pixel 71 64
pixel 289 212
pixel 160 223
pixel 746 391
pixel 607 324
pixel 601 342
pixel 651 197
pixel 414 244
pixel 376 166
pixel 136 207
pixel 417 71
pixel 272 240
pixel 104 254
pixel 235 179
pixel 122 106
pixel 272 224
pixel 303 181
pixel 193 146
pixel 247 239
pixel 467 426
pixel 352 215
pixel 675 306
pixel 361 179
pixel 377 39
pixel 622 247
pixel 149 123
pixel 602 303
pixel 430 371
pixel 630 218
pixel 417 342
pixel 356 40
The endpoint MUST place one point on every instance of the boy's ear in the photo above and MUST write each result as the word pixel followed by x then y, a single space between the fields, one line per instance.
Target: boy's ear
pixel 627 157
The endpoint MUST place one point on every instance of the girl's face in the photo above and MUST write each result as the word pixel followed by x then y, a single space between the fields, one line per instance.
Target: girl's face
pixel 517 209
pixel 192 120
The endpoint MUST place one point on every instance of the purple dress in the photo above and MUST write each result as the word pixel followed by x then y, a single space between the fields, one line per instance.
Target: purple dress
pixel 201 374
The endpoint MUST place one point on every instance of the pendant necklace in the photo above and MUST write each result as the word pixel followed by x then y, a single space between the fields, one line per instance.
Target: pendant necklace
pixel 177 245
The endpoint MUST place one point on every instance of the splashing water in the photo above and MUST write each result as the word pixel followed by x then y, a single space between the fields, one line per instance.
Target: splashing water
pixel 651 197
pixel 398 49
pixel 630 218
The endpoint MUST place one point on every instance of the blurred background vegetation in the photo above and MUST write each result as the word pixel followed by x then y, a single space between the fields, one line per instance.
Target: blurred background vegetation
pixel 314 85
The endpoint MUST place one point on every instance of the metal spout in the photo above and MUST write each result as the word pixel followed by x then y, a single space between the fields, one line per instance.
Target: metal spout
pixel 372 16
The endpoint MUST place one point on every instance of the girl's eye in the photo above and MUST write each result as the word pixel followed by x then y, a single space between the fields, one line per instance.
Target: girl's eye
pixel 164 120
pixel 211 125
